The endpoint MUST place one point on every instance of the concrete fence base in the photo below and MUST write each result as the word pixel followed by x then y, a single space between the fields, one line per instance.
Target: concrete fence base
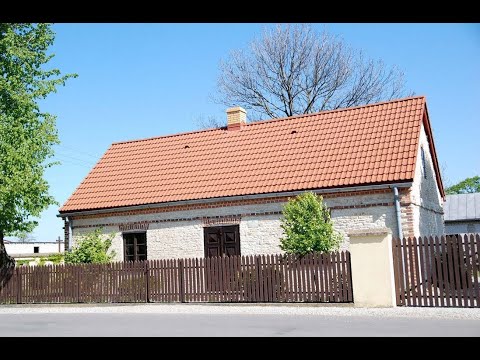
pixel 372 268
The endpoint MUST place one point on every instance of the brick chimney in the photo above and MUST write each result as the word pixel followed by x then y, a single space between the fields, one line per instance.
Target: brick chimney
pixel 236 118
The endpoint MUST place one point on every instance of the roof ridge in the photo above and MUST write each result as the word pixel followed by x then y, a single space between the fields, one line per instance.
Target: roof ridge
pixel 270 120
pixel 336 110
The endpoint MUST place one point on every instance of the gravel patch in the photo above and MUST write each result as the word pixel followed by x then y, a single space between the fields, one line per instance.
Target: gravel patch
pixel 239 309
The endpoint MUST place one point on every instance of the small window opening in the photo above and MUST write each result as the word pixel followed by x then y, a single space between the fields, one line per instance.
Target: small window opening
pixel 36 249
pixel 424 166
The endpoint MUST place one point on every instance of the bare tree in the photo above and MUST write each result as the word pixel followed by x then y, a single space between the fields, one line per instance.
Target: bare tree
pixel 292 69
pixel 24 236
pixel 208 122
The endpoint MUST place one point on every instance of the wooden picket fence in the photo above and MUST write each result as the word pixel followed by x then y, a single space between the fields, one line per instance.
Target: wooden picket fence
pixel 437 271
pixel 259 278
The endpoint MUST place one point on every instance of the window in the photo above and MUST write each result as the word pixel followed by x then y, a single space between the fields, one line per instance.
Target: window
pixel 36 249
pixel 135 246
pixel 424 166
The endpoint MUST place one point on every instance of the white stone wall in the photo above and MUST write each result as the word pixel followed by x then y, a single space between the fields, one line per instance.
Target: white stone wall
pixel 378 217
pixel 28 247
pixel 425 196
pixel 258 233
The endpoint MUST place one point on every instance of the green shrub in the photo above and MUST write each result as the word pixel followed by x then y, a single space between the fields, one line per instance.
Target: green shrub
pixel 92 249
pixel 307 226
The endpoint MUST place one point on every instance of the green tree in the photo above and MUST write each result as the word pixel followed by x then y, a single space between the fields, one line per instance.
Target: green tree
pixel 92 249
pixel 469 185
pixel 26 133
pixel 307 226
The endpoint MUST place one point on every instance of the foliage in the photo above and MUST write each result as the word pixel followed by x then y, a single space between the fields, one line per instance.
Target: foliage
pixel 22 262
pixel 469 185
pixel 55 258
pixel 27 134
pixel 24 236
pixel 307 226
pixel 292 70
pixel 93 248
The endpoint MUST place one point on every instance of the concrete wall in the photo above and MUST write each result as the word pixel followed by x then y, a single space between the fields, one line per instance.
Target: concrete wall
pixel 372 268
pixel 427 203
pixel 258 233
pixel 28 247
pixel 458 227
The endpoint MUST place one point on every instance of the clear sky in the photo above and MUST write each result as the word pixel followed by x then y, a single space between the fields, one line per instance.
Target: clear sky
pixel 144 80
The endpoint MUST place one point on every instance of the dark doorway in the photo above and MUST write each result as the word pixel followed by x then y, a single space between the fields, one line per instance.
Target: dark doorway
pixel 36 249
pixel 222 240
pixel 135 246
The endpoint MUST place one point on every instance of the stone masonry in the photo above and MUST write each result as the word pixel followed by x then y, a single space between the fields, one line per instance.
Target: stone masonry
pixel 180 233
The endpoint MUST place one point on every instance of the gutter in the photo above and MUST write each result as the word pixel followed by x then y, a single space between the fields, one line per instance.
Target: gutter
pixel 236 198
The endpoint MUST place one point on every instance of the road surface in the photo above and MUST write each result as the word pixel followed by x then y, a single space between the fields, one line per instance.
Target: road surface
pixel 223 321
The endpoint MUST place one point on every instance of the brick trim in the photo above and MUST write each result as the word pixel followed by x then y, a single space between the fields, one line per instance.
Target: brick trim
pixel 231 219
pixel 221 220
pixel 278 199
pixel 200 218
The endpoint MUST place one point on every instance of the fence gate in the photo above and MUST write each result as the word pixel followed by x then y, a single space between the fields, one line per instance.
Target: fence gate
pixel 437 271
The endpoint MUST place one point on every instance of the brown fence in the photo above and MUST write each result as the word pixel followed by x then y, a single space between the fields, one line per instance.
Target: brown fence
pixel 437 271
pixel 260 278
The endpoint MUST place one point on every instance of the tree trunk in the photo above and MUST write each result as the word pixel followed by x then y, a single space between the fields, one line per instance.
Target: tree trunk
pixel 6 261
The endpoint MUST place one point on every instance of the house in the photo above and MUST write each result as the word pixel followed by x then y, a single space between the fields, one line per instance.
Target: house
pixel 221 191
pixel 462 213
pixel 30 249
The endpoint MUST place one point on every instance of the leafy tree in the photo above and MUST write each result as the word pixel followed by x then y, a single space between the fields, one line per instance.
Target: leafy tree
pixel 469 185
pixel 307 226
pixel 292 70
pixel 26 133
pixel 93 248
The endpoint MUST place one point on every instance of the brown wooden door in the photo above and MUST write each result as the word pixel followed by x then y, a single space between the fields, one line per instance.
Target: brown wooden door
pixel 222 240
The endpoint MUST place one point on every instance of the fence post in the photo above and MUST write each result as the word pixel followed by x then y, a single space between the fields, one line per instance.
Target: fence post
pixel 147 281
pixel 77 276
pixel 372 268
pixel 19 285
pixel 181 280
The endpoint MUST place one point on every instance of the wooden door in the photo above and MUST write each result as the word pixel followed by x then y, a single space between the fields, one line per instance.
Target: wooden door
pixel 222 240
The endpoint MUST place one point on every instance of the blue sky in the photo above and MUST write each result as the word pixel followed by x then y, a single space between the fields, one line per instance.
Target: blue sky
pixel 144 80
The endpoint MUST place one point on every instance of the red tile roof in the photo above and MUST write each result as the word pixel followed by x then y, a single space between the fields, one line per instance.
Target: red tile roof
pixel 376 143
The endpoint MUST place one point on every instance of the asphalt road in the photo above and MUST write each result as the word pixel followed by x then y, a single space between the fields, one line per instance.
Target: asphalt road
pixel 144 325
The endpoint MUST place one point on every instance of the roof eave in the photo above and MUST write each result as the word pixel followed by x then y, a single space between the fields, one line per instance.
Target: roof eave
pixel 400 184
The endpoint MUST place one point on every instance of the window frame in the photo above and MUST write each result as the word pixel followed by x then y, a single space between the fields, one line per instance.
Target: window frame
pixel 135 236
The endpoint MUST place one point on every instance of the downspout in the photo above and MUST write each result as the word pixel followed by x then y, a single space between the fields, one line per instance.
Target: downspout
pixel 396 198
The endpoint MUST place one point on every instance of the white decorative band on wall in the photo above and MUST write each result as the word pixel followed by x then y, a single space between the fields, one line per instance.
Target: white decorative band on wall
pixel 221 220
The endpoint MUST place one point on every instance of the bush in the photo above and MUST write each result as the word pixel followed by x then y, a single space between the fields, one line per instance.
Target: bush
pixel 307 226
pixel 92 249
